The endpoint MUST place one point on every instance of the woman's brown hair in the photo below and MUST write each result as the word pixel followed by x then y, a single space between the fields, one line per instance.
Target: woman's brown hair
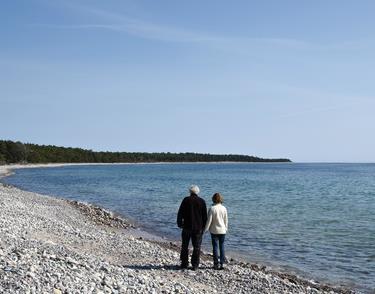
pixel 217 198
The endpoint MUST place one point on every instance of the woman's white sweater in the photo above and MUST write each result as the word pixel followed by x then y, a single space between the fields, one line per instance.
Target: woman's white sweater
pixel 217 221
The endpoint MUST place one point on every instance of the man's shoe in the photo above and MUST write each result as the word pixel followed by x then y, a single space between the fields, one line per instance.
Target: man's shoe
pixel 216 267
pixel 183 266
pixel 194 268
pixel 221 267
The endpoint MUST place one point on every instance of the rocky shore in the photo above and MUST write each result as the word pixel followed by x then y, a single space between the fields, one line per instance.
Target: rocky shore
pixel 50 245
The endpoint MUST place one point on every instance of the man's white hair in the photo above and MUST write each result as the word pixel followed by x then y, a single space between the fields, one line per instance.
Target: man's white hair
pixel 194 189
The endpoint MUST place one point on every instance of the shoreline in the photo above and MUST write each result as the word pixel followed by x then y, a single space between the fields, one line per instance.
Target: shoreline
pixel 144 261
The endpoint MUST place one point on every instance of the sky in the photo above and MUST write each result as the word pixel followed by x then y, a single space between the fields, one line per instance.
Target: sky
pixel 291 79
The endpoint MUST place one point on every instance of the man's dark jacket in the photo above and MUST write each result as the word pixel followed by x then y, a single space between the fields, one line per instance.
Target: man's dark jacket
pixel 192 214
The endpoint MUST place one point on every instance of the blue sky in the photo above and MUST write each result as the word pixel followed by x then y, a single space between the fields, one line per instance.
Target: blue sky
pixel 267 78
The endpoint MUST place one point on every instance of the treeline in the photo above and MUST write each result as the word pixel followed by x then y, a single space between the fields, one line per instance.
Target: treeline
pixel 17 152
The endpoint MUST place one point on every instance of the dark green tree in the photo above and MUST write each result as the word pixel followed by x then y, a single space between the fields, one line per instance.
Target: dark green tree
pixel 17 152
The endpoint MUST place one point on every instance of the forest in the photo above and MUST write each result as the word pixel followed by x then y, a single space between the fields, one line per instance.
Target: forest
pixel 17 152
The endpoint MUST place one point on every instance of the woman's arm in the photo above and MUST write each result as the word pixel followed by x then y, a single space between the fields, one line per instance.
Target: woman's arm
pixel 209 220
pixel 226 219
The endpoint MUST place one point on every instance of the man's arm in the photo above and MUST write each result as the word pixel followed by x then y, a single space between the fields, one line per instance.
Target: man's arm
pixel 180 214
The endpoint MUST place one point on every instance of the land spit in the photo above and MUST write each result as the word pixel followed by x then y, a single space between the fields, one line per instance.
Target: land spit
pixel 51 245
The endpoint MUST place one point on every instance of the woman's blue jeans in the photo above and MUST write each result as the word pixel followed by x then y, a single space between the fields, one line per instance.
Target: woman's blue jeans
pixel 218 238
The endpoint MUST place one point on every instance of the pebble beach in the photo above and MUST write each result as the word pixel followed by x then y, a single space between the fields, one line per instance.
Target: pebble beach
pixel 52 245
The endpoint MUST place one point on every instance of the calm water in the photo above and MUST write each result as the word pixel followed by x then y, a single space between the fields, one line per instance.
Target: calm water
pixel 314 219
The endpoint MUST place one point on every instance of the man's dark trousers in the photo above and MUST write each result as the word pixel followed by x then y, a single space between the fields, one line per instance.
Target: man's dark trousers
pixel 196 240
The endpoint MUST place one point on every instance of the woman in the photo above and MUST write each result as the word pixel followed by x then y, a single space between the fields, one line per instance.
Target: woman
pixel 217 224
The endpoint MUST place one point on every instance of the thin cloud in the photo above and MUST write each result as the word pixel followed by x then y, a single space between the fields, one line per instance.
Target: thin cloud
pixel 107 20
pixel 144 30
pixel 151 31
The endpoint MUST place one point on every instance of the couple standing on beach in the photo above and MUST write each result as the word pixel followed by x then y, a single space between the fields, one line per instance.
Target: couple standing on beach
pixel 192 217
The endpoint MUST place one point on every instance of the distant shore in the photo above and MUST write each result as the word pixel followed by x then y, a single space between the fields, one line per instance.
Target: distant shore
pixel 60 246
pixel 18 152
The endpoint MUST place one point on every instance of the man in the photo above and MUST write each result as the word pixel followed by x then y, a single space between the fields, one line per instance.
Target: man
pixel 192 217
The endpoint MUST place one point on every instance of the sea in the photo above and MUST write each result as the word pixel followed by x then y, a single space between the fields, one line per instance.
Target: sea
pixel 315 220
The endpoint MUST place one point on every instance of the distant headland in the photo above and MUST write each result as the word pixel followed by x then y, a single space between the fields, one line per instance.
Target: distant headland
pixel 17 152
